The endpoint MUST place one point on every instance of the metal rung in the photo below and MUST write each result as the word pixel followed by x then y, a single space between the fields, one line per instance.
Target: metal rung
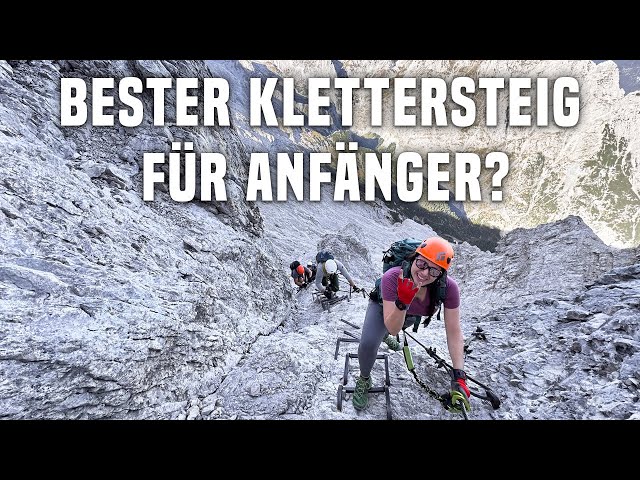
pixel 342 391
pixel 350 334
pixel 381 356
pixel 344 340
pixel 326 304
pixel 371 390
pixel 350 324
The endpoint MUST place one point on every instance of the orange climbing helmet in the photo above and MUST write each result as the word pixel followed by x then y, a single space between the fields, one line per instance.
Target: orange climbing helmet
pixel 438 250
pixel 300 270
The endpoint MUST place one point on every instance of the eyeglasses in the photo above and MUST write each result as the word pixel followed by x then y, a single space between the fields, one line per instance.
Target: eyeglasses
pixel 423 265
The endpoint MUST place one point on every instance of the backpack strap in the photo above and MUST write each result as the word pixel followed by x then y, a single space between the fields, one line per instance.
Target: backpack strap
pixel 406 269
pixel 406 273
pixel 442 288
pixel 375 294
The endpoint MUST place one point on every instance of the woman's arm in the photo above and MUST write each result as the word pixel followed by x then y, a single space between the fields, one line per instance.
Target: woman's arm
pixel 393 317
pixel 455 340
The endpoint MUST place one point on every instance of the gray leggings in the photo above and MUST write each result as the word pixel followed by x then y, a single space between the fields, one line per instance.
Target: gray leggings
pixel 373 332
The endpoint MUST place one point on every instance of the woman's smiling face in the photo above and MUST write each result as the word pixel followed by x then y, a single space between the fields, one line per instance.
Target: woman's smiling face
pixel 424 271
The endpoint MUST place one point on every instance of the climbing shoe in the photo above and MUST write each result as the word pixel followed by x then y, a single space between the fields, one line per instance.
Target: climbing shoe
pixel 360 398
pixel 392 343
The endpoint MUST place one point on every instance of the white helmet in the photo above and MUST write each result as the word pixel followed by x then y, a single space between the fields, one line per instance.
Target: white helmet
pixel 330 266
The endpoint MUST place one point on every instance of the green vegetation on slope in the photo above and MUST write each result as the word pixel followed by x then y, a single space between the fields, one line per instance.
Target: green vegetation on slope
pixel 608 184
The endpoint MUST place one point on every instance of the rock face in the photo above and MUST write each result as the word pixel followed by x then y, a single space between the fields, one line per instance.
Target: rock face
pixel 111 307
pixel 563 309
pixel 591 170
pixel 569 358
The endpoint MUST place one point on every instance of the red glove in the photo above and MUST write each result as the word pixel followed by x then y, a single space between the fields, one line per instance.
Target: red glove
pixel 463 383
pixel 460 378
pixel 460 394
pixel 406 290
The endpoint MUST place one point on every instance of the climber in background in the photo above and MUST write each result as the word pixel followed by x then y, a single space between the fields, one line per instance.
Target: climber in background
pixel 302 276
pixel 327 280
pixel 314 269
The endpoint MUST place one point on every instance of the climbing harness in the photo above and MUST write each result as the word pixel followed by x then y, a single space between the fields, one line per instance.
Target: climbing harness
pixel 445 399
pixel 450 403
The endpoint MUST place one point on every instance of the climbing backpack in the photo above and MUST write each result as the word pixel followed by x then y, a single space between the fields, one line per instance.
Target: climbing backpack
pixel 293 265
pixel 323 255
pixel 397 255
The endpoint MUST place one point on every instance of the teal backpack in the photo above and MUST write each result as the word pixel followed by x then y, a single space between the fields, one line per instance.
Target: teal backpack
pixel 396 255
pixel 323 255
